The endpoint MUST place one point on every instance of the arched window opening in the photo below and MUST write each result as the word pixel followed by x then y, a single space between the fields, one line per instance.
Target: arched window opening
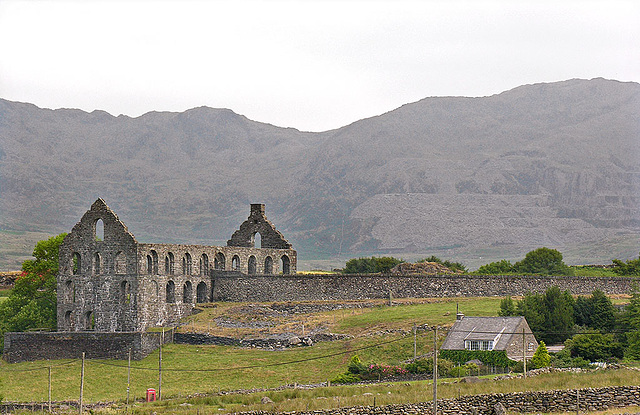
pixel 149 265
pixel 76 263
pixel 169 264
pixel 154 262
pixel 218 261
pixel 99 230
pixel 257 240
pixel 252 265
pixel 171 292
pixel 96 263
pixel 204 264
pixel 68 321
pixel 120 263
pixel 125 292
pixel 187 293
pixel 89 321
pixel 268 265
pixel 201 293
pixel 186 264
pixel 286 264
pixel 235 263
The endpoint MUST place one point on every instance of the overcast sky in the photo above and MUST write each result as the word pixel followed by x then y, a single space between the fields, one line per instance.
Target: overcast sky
pixel 311 65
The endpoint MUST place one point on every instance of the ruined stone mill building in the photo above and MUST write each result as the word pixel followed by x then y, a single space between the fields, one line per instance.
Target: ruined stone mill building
pixel 109 282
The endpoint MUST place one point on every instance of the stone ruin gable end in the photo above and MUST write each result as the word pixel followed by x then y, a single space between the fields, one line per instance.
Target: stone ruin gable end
pixel 258 223
pixel 91 273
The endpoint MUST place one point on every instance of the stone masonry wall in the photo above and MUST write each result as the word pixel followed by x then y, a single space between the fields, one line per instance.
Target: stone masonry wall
pixel 20 347
pixel 591 399
pixel 358 287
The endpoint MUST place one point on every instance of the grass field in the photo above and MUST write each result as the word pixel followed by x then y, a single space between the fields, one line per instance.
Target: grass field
pixel 381 334
pixel 190 369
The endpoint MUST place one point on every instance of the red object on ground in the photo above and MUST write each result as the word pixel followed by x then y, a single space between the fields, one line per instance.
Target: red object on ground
pixel 151 395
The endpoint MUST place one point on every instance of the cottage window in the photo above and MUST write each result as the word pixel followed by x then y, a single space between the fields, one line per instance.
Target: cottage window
pixel 478 344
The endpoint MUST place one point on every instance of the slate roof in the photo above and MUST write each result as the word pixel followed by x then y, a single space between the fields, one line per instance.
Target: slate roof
pixel 498 329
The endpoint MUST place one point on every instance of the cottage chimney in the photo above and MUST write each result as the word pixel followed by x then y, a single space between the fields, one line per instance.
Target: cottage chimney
pixel 459 316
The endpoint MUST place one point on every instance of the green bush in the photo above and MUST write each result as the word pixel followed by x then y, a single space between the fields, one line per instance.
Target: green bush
pixel 370 265
pixel 541 357
pixel 631 267
pixel 496 268
pixel 594 347
pixel 459 372
pixel 496 358
pixel 355 365
pixel 420 366
pixel 345 378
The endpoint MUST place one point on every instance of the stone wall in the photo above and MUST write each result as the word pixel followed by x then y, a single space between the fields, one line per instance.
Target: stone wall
pixel 591 399
pixel 359 287
pixel 20 347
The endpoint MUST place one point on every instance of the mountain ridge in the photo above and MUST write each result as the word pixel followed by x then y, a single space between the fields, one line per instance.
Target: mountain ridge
pixel 189 176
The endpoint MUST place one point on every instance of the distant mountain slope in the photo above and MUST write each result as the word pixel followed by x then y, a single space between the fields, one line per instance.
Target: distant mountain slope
pixel 547 164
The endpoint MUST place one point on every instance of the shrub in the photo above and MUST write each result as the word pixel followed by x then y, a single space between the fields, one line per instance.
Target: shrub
pixel 459 371
pixel 496 268
pixel 346 378
pixel 541 357
pixel 496 358
pixel 370 265
pixel 376 371
pixel 355 365
pixel 420 366
pixel 631 267
pixel 594 347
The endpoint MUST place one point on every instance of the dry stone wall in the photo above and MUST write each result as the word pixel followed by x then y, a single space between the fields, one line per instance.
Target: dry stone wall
pixel 591 399
pixel 359 287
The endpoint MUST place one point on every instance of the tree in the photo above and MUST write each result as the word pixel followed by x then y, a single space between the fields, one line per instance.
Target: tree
pixel 631 267
pixel 496 268
pixel 630 322
pixel 541 358
pixel 370 265
pixel 558 315
pixel 550 315
pixel 603 316
pixel 507 307
pixel 543 261
pixel 32 302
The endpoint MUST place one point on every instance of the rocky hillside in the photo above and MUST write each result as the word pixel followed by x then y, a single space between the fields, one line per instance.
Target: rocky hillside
pixel 547 164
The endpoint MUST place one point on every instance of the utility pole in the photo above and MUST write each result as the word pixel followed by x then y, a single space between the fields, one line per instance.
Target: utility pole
pixel 49 387
pixel 435 370
pixel 415 335
pixel 160 366
pixel 524 354
pixel 128 377
pixel 81 383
